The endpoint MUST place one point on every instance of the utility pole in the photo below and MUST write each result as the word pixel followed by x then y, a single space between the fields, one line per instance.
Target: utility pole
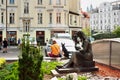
pixel 6 19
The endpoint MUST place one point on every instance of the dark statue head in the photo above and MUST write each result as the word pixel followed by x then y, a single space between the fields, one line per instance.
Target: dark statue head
pixel 81 35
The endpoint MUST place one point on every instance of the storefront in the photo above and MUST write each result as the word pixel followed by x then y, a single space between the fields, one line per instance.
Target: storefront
pixel 40 37
pixel 12 37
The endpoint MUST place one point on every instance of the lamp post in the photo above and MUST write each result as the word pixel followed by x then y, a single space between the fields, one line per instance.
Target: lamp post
pixel 6 19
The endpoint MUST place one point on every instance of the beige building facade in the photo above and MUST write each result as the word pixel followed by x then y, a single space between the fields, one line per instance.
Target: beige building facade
pixel 40 18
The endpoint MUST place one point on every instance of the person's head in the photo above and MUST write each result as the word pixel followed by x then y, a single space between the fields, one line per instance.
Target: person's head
pixel 54 42
pixel 5 39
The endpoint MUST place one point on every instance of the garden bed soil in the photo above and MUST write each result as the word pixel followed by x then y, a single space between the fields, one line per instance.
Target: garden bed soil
pixel 104 71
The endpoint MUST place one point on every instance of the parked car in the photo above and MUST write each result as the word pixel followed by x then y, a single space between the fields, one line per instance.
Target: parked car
pixel 69 44
pixel 62 35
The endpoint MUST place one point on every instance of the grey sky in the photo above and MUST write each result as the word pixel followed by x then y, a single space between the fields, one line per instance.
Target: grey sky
pixel 95 3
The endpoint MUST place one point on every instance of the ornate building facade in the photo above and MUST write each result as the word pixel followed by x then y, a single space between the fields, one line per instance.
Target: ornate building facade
pixel 40 18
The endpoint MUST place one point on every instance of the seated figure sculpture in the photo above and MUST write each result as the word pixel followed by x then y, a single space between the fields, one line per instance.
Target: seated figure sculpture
pixel 84 54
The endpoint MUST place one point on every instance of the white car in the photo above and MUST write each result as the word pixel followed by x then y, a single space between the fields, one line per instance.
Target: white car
pixel 62 35
pixel 69 44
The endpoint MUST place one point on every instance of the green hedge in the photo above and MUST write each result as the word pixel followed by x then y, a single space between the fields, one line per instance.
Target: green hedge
pixel 104 35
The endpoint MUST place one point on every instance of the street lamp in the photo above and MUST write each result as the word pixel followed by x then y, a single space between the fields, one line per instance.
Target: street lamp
pixel 6 19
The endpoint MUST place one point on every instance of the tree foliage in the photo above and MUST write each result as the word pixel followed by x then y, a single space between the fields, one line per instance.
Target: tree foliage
pixel 117 31
pixel 86 31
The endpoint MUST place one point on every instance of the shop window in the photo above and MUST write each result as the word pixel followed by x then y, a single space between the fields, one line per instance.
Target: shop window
pixel 12 37
pixel 40 37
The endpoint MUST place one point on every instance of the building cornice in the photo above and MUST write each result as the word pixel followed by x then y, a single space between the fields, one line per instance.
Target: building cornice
pixel 40 7
pixel 74 27
pixel 28 18
pixel 13 6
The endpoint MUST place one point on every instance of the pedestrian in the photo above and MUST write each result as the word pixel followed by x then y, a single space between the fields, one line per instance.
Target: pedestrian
pixel 46 43
pixel 55 50
pixel 5 44
pixel 19 41
pixel 0 45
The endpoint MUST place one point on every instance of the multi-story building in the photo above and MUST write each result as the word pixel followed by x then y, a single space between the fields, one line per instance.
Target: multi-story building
pixel 85 20
pixel 40 18
pixel 106 17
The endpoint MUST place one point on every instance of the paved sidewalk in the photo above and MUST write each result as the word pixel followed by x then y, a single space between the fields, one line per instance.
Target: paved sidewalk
pixel 12 53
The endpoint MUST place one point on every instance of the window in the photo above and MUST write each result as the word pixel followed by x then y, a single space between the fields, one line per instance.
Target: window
pixel 40 15
pixel 58 18
pixel 119 6
pixel 2 17
pixel 26 26
pixel 40 2
pixel 12 18
pixel 71 19
pixel 58 2
pixel 50 18
pixel 26 7
pixel 65 15
pixel 114 13
pixel 11 1
pixel 75 20
pixel 50 2
pixel 64 2
pixel 2 2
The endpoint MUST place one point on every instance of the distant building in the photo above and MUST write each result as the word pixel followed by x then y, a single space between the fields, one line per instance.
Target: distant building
pixel 106 17
pixel 40 18
pixel 85 19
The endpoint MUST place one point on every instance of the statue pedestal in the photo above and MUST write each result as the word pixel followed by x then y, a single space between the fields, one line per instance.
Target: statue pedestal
pixel 88 66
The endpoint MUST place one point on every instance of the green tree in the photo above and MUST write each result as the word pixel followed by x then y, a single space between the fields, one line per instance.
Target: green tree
pixel 86 31
pixel 117 31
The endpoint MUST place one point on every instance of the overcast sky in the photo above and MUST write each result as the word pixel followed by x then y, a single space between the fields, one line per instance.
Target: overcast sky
pixel 95 3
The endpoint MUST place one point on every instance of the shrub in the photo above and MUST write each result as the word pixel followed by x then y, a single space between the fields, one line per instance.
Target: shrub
pixel 2 62
pixel 48 66
pixel 13 71
pixel 30 62
pixel 104 35
pixel 82 78
pixel 9 72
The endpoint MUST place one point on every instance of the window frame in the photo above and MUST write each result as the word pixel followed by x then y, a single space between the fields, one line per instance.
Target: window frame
pixel 40 18
pixel 26 7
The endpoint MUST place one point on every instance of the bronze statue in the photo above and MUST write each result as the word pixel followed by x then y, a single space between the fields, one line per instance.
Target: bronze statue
pixel 84 54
